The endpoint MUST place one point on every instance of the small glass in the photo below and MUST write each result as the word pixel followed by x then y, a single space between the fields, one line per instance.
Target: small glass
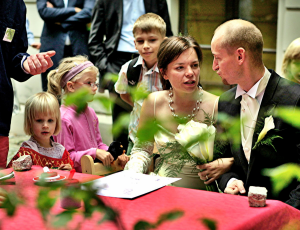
pixel 67 195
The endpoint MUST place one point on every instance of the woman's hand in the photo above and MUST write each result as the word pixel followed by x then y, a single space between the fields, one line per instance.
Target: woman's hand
pixel 104 156
pixel 65 167
pixel 213 170
pixel 122 160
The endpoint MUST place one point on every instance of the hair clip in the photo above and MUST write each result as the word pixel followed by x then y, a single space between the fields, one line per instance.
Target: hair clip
pixel 56 70
pixel 75 63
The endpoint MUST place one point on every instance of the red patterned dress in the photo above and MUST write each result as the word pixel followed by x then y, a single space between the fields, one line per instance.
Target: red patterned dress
pixel 52 157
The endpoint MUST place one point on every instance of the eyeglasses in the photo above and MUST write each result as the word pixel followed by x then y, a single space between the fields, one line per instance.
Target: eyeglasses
pixel 92 84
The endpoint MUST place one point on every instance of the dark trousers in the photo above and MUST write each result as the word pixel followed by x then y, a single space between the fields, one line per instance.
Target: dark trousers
pixel 67 53
pixel 120 107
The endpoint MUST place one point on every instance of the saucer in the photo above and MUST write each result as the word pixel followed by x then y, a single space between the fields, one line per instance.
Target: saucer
pixel 51 179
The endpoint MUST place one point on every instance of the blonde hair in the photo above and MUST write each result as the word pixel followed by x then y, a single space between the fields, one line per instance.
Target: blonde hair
pixel 148 22
pixel 55 76
pixel 291 53
pixel 44 103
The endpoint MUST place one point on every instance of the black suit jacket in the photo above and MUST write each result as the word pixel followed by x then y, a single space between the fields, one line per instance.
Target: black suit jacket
pixel 107 21
pixel 13 16
pixel 74 24
pixel 279 92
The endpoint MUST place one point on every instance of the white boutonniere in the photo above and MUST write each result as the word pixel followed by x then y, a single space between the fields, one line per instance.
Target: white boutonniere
pixel 262 139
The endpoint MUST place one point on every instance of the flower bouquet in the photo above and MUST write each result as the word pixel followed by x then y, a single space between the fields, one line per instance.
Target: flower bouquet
pixel 194 144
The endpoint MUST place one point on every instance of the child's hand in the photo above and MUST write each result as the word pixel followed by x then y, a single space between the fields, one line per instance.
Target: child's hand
pixel 122 160
pixel 104 156
pixel 65 167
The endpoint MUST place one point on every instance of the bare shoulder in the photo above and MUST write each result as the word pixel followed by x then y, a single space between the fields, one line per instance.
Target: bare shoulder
pixel 157 97
pixel 209 97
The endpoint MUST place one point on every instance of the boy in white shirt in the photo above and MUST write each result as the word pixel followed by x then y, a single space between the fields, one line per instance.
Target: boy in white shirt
pixel 149 31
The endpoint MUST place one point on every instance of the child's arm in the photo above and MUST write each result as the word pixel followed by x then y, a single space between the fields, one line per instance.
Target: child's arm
pixel 127 98
pixel 65 137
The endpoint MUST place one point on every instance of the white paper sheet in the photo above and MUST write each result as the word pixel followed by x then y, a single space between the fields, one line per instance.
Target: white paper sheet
pixel 127 184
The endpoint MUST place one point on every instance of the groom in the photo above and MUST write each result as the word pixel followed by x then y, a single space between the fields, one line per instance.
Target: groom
pixel 237 47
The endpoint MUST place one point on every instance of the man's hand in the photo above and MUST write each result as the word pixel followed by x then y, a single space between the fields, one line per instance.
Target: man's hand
pixel 235 188
pixel 49 4
pixel 77 10
pixel 38 63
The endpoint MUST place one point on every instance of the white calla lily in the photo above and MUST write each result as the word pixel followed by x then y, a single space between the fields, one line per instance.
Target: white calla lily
pixel 269 124
pixel 198 138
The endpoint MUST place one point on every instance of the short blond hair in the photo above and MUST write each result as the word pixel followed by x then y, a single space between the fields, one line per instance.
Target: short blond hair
pixel 241 33
pixel 55 76
pixel 149 22
pixel 44 103
pixel 291 53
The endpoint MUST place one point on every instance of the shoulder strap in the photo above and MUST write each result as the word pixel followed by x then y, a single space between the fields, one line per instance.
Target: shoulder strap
pixel 213 112
pixel 133 73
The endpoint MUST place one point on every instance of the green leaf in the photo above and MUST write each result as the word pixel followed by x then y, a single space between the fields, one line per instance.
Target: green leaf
pixel 63 218
pixel 168 216
pixel 289 114
pixel 282 175
pixel 232 127
pixel 173 215
pixel 109 77
pixel 109 215
pixel 11 202
pixel 104 101
pixel 45 201
pixel 209 223
pixel 79 99
pixel 120 124
pixel 139 93
pixel 143 225
pixel 147 131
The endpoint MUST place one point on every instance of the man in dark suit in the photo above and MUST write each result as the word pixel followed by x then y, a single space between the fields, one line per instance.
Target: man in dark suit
pixel 65 29
pixel 237 47
pixel 14 63
pixel 114 20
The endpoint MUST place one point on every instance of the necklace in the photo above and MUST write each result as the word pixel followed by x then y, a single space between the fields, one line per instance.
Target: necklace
pixel 194 111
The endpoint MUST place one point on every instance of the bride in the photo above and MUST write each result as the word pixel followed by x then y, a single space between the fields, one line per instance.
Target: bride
pixel 181 100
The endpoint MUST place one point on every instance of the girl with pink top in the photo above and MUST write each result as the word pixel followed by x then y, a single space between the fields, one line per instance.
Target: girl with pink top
pixel 80 133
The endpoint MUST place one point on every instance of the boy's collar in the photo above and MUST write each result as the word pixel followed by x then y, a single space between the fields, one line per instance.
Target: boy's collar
pixel 141 61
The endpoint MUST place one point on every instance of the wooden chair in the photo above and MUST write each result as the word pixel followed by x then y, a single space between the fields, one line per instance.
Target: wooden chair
pixel 90 167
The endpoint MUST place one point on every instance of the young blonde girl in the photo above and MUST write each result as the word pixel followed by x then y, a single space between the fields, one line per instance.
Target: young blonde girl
pixel 80 133
pixel 42 120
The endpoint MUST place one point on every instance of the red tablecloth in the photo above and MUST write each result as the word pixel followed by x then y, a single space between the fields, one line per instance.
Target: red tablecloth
pixel 229 212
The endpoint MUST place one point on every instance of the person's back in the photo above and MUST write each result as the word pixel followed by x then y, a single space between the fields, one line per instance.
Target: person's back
pixel 149 31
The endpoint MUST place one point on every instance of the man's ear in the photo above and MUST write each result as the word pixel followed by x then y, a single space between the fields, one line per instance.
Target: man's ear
pixel 241 55
pixel 70 86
